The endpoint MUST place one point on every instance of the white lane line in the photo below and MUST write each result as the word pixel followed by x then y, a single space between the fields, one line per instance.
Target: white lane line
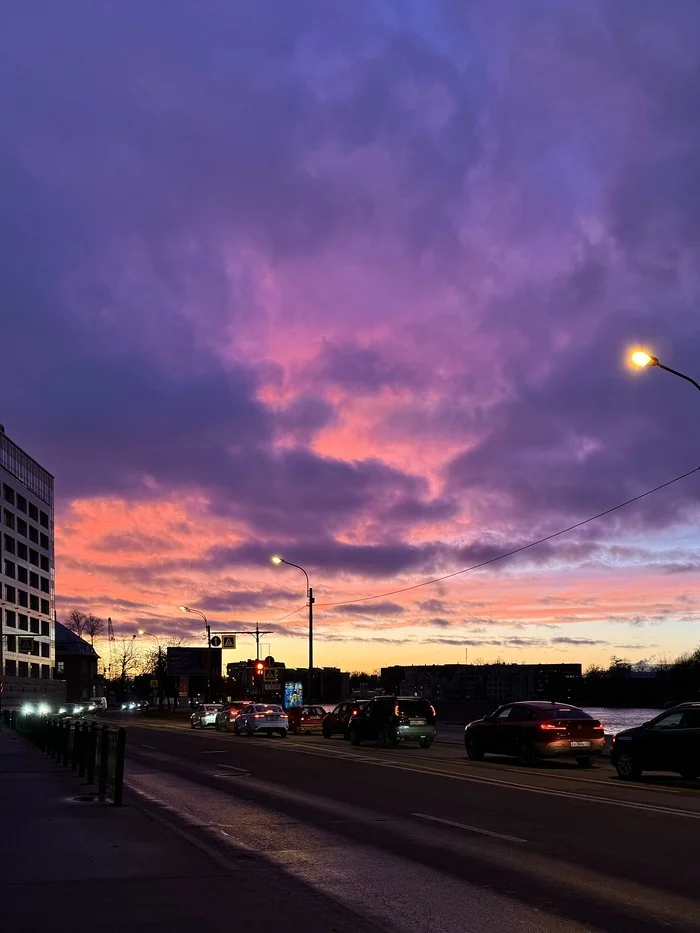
pixel 148 746
pixel 471 829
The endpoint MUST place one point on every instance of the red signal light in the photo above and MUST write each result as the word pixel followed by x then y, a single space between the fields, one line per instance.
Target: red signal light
pixel 259 667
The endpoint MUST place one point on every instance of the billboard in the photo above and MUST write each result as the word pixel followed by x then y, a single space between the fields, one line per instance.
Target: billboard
pixel 193 661
pixel 293 695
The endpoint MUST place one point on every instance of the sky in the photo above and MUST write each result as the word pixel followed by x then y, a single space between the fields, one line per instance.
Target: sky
pixel 356 284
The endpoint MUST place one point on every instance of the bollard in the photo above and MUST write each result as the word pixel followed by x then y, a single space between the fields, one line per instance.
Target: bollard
pixel 119 768
pixel 91 753
pixel 83 750
pixel 66 744
pixel 104 761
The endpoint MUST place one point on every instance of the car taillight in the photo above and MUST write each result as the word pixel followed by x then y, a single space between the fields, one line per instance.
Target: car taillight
pixel 599 727
pixel 396 710
pixel 258 715
pixel 432 710
pixel 551 727
pixel 354 713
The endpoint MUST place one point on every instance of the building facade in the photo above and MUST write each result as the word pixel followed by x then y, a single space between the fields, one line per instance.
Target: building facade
pixel 76 666
pixel 27 645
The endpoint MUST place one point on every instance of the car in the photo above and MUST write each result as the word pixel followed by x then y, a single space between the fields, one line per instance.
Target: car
pixel 305 718
pixel 389 720
pixel 204 715
pixel 534 730
pixel 228 713
pixel 668 742
pixel 338 720
pixel 261 717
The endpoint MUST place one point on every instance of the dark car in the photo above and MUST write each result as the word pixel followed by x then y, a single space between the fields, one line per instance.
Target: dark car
pixel 338 721
pixel 669 742
pixel 228 714
pixel 392 720
pixel 305 718
pixel 536 730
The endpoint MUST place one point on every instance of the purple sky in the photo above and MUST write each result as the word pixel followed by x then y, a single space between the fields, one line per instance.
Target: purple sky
pixel 355 283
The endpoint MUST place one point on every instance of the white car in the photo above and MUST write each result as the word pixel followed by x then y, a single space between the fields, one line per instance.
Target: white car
pixel 260 717
pixel 204 715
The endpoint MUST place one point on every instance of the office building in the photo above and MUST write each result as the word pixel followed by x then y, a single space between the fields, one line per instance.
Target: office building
pixel 27 645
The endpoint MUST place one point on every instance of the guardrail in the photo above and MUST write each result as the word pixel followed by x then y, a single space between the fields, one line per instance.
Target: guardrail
pixel 94 752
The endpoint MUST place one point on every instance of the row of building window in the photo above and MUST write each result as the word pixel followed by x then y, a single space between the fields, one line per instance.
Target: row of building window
pixel 27 531
pixel 19 501
pixel 24 669
pixel 42 648
pixel 17 572
pixel 27 600
pixel 20 620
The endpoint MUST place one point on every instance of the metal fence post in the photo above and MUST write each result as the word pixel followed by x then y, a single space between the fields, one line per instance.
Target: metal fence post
pixel 83 750
pixel 75 756
pixel 104 761
pixel 91 752
pixel 66 743
pixel 119 767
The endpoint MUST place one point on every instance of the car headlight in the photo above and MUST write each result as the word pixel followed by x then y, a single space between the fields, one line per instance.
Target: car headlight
pixel 44 709
pixel 27 709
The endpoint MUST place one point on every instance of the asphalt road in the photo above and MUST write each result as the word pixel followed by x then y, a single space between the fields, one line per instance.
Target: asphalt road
pixel 423 839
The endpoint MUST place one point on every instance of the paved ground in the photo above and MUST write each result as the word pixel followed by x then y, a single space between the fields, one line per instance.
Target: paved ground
pixel 423 839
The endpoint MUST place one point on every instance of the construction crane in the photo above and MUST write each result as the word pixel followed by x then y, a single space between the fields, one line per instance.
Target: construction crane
pixel 110 636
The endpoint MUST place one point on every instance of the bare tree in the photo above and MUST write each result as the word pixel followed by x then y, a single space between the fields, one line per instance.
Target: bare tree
pixel 125 659
pixel 76 622
pixel 93 626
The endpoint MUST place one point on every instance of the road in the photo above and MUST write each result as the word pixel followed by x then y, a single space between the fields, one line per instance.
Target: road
pixel 423 839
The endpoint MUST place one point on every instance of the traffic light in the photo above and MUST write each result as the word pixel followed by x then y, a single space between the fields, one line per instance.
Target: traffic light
pixel 259 668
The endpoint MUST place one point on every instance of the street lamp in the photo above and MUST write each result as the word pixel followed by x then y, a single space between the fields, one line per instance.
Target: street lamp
pixel 206 623
pixel 310 594
pixel 641 358
pixel 160 667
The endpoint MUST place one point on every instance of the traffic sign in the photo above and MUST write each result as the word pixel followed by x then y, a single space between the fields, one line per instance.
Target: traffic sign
pixel 154 683
pixel 229 641
pixel 272 675
pixel 215 641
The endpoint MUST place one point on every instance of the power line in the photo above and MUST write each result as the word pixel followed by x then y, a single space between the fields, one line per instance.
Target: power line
pixel 517 550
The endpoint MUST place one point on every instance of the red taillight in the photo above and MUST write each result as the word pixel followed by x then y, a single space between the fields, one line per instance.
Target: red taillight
pixel 354 712
pixel 396 710
pixel 258 715
pixel 432 710
pixel 599 727
pixel 551 727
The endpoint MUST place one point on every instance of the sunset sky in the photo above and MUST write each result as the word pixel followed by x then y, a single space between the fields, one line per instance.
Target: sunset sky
pixel 355 283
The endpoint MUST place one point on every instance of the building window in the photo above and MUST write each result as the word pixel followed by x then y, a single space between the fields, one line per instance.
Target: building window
pixel 34 671
pixel 10 594
pixel 11 668
pixel 44 519
pixel 9 544
pixel 35 648
pixel 45 629
pixel 45 563
pixel 45 650
pixel 8 493
pixel 33 602
pixel 21 503
pixel 9 569
pixel 23 598
pixel 44 584
pixel 45 672
pixel 22 551
pixel 33 557
pixel 45 607
pixel 23 669
pixel 44 541
pixel 9 519
pixel 34 579
pixel 11 642
pixel 10 618
pixel 33 512
pixel 21 527
pixel 34 626
pixel 23 621
pixel 33 534
pixel 22 574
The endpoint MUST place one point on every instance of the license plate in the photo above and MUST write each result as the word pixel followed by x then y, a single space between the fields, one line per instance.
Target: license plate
pixel 580 744
pixel 417 722
pixel 272 717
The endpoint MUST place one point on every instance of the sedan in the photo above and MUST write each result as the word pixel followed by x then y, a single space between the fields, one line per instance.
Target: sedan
pixel 536 730
pixel 257 717
pixel 228 714
pixel 306 718
pixel 204 715
pixel 669 742
pixel 338 720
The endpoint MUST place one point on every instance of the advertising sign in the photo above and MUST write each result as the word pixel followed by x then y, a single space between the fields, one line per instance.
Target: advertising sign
pixel 194 661
pixel 293 695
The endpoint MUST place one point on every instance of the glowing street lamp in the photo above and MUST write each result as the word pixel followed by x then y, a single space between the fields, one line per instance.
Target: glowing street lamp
pixel 641 358
pixel 206 623
pixel 310 594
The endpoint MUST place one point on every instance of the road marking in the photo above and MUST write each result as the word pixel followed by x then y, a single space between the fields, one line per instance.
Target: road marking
pixel 471 829
pixel 148 746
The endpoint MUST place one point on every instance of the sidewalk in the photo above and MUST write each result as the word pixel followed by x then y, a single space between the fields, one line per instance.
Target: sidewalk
pixel 69 865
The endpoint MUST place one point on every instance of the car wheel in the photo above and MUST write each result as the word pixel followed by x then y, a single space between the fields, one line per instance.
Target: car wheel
pixel 474 751
pixel 527 755
pixel 354 737
pixel 425 743
pixel 327 732
pixel 382 739
pixel 628 767
pixel 248 730
pixel 689 775
pixel 585 761
pixel 192 724
pixel 283 733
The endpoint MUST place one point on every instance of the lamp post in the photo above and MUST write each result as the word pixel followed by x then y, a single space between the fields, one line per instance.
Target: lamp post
pixel 160 667
pixel 309 592
pixel 641 358
pixel 206 623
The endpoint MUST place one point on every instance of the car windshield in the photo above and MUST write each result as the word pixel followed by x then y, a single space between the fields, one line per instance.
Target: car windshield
pixel 211 708
pixel 269 709
pixel 419 708
pixel 564 712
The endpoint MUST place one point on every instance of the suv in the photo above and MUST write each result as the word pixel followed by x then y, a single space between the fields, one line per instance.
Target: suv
pixel 391 720
pixel 669 742
pixel 338 721
pixel 228 713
